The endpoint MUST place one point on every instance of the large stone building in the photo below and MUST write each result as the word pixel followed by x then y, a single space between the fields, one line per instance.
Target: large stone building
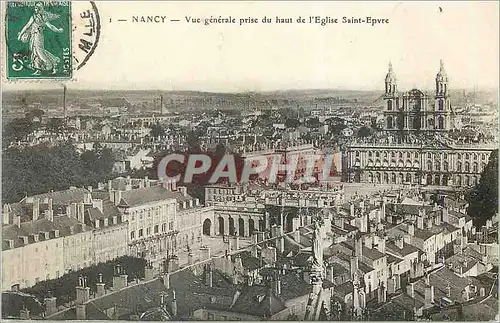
pixel 418 144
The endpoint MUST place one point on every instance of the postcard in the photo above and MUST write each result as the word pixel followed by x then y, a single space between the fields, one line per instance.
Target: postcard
pixel 250 160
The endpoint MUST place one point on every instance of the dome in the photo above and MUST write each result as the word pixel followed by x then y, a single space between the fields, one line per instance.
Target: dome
pixel 390 77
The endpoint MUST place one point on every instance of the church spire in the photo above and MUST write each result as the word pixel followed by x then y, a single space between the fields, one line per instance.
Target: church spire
pixel 390 81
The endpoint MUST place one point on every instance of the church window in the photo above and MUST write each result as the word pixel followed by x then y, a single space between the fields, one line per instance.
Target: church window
pixel 389 105
pixel 475 168
pixel 467 167
pixel 440 104
pixel 440 122
pixel 475 156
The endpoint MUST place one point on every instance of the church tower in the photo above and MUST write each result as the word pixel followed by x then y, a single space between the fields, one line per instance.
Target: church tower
pixel 391 97
pixel 442 106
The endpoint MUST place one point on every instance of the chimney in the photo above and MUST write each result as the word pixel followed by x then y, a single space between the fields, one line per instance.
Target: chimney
pixel 119 279
pixel 429 223
pixel 208 276
pixel 6 214
pixel 420 222
pixel 50 306
pixel 101 287
pixel 411 229
pixel 369 242
pixel 429 295
pixel 50 212
pixel 174 304
pixel 166 280
pixel 118 197
pixel 381 244
pixel 24 314
pixel 410 290
pixel 330 274
pixel 354 265
pixel 36 209
pixel 82 291
pixel 358 248
pixel 81 312
pixel 399 242
pixel 17 221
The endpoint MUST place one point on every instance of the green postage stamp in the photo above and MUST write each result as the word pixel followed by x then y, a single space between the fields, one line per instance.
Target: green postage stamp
pixel 38 40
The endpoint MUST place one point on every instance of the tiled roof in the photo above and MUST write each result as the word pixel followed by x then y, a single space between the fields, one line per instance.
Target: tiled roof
pixel 61 223
pixel 406 250
pixel 372 254
pixel 257 300
pixel 68 196
pixel 423 234
pixel 146 195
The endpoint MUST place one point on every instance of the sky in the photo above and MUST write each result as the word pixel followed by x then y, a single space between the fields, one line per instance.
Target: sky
pixel 268 57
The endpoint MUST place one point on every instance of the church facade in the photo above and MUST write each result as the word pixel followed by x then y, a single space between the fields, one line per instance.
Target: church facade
pixel 415 146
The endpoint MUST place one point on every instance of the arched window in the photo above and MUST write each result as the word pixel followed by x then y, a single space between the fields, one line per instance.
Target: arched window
pixel 438 165
pixel 467 168
pixel 475 156
pixel 408 155
pixel 393 154
pixel 440 122
pixel 440 105
pixel 429 165
pixel 467 156
pixel 357 154
pixel 389 122
pixel 369 154
pixel 459 167
pixel 445 166
pixel 400 154
pixel 377 154
pixel 389 105
pixel 393 178
pixel 474 168
pixel 386 178
pixel 378 178
pixel 370 178
pixel 416 155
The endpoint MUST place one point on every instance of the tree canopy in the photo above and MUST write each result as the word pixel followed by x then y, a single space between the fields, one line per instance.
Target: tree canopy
pixel 41 168
pixel 483 199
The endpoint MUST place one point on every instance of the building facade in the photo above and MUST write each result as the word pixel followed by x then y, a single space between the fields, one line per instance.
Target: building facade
pixel 418 146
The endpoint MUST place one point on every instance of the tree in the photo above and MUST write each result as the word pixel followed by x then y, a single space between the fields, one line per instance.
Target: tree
pixel 55 125
pixel 157 131
pixel 313 123
pixel 17 130
pixel 364 132
pixel 292 123
pixel 483 199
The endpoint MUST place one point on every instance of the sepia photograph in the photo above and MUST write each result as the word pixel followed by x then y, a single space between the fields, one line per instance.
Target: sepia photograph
pixel 250 160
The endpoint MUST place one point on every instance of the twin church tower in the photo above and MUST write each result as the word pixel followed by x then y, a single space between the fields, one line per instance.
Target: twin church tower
pixel 413 111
